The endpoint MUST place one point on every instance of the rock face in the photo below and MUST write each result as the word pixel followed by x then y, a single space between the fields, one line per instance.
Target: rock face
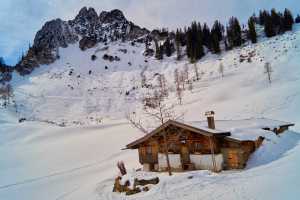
pixel 87 25
pixel 87 42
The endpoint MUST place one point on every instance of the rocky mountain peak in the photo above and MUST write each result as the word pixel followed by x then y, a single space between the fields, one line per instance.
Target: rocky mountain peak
pixel 55 33
pixel 86 15
pixel 112 16
pixel 92 29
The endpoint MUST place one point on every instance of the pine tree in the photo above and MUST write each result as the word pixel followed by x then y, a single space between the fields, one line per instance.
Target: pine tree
pixel 252 32
pixel 269 26
pixel 234 33
pixel 168 47
pixel 218 29
pixel 288 20
pixel 216 36
pixel 297 20
pixel 215 44
pixel 262 16
pixel 199 51
pixel 178 43
pixel 2 62
pixel 156 48
pixel 194 47
pixel 206 36
pixel 276 21
pixel 189 42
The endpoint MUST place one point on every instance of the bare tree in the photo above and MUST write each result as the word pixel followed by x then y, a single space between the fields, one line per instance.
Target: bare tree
pixel 190 85
pixel 269 71
pixel 6 93
pixel 178 50
pixel 160 113
pixel 162 84
pixel 177 80
pixel 221 69
pixel 135 122
pixel 186 72
pixel 143 77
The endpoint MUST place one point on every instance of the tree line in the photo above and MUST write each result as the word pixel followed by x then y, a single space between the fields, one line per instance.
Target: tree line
pixel 198 39
pixel 275 22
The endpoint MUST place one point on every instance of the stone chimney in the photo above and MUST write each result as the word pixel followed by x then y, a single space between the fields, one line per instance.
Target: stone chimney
pixel 210 119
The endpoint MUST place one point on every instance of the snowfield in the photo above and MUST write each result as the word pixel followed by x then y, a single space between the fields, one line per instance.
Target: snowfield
pixel 41 160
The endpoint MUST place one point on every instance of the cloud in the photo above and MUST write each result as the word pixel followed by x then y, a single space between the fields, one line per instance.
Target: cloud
pixel 21 19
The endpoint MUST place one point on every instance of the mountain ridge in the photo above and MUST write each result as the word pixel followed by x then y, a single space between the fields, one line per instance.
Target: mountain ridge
pixel 87 27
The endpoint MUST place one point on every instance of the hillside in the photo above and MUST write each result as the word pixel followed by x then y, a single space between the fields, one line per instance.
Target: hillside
pixel 91 98
pixel 87 91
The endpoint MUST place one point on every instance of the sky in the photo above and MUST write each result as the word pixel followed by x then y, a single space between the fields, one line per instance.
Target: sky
pixel 21 19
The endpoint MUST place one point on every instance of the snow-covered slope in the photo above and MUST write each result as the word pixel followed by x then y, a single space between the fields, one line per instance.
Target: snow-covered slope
pixel 43 161
pixel 86 91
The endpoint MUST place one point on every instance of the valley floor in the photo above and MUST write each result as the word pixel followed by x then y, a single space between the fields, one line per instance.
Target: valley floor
pixel 41 161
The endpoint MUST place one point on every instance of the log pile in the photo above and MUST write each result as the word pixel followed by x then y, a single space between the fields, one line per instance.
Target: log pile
pixel 138 185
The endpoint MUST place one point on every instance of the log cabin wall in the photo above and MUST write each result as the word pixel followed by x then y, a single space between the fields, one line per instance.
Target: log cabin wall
pixel 148 152
pixel 236 153
pixel 178 140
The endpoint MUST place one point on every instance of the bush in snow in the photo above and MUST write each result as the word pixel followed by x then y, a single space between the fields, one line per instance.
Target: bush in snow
pixel 93 57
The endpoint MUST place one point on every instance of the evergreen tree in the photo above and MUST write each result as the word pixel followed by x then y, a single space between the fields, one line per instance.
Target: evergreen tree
pixel 215 43
pixel 168 47
pixel 276 21
pixel 252 32
pixel 269 26
pixel 218 29
pixel 2 65
pixel 297 20
pixel 194 47
pixel 288 20
pixel 158 50
pixel 199 42
pixel 206 36
pixel 2 61
pixel 234 33
pixel 178 43
pixel 262 16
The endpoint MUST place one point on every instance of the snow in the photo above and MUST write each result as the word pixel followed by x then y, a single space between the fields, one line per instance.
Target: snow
pixel 246 129
pixel 44 161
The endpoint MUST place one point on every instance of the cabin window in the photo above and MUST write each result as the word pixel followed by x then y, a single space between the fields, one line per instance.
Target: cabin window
pixel 197 147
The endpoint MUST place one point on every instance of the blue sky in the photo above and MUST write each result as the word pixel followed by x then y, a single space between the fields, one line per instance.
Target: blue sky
pixel 21 19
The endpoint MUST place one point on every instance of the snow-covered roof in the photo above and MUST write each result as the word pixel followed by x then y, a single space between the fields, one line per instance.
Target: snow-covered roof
pixel 245 129
pixel 200 130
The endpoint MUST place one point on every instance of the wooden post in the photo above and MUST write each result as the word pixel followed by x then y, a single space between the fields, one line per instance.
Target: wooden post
pixel 212 154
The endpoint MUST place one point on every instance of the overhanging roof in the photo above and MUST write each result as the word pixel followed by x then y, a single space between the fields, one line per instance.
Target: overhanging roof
pixel 205 131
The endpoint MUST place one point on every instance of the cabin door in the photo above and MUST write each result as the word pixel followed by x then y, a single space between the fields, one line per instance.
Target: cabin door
pixel 185 155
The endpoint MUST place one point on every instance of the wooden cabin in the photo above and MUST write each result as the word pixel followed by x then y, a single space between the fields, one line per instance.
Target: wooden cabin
pixel 194 148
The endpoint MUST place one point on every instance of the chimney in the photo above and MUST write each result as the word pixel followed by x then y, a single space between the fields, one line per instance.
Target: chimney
pixel 210 119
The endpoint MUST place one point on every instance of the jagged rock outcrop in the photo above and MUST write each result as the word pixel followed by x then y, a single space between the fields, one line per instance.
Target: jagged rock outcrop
pixel 85 22
pixel 55 33
pixel 45 49
pixel 87 25
pixel 87 42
